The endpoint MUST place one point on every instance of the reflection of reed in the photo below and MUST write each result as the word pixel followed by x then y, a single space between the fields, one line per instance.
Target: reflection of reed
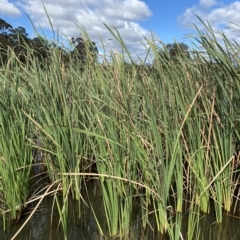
pixel 40 221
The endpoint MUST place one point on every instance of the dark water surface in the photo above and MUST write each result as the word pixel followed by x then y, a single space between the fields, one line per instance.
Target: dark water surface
pixel 44 223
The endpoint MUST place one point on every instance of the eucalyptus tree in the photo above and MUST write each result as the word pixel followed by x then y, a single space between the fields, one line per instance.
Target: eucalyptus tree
pixel 40 47
pixel 5 29
pixel 177 50
pixel 171 54
pixel 84 49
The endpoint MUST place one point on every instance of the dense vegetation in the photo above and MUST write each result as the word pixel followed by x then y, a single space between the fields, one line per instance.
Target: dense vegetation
pixel 18 41
pixel 163 137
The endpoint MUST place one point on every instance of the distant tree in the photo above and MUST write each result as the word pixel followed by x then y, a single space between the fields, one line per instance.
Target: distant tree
pixel 63 55
pixel 18 41
pixel 163 56
pixel 172 53
pixel 4 27
pixel 84 49
pixel 18 34
pixel 177 50
pixel 40 47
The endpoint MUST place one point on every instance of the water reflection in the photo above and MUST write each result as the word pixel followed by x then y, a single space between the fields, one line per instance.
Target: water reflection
pixel 44 223
pixel 37 224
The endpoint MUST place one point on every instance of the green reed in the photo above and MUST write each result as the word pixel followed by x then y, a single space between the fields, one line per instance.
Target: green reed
pixel 16 148
pixel 162 137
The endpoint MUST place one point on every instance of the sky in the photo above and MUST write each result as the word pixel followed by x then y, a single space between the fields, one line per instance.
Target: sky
pixel 136 20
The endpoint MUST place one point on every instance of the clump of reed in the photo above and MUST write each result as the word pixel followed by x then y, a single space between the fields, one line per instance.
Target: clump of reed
pixel 162 136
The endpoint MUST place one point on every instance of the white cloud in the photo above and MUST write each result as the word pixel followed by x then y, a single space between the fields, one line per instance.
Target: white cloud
pixel 221 17
pixel 207 3
pixel 91 14
pixel 8 9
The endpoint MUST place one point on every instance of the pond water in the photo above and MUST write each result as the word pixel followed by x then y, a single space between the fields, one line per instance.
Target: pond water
pixel 44 223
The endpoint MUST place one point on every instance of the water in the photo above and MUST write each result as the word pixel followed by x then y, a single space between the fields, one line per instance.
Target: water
pixel 44 224
pixel 82 225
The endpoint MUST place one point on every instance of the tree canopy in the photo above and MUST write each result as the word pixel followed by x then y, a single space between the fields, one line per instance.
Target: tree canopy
pixel 17 40
pixel 178 50
pixel 173 52
pixel 84 49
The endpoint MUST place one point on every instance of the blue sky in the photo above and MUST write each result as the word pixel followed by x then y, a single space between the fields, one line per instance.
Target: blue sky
pixel 169 20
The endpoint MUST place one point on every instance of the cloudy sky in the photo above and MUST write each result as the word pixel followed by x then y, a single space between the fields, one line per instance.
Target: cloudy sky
pixel 169 20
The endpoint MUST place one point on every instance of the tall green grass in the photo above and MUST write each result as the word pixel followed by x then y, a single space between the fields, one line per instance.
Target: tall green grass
pixel 162 137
